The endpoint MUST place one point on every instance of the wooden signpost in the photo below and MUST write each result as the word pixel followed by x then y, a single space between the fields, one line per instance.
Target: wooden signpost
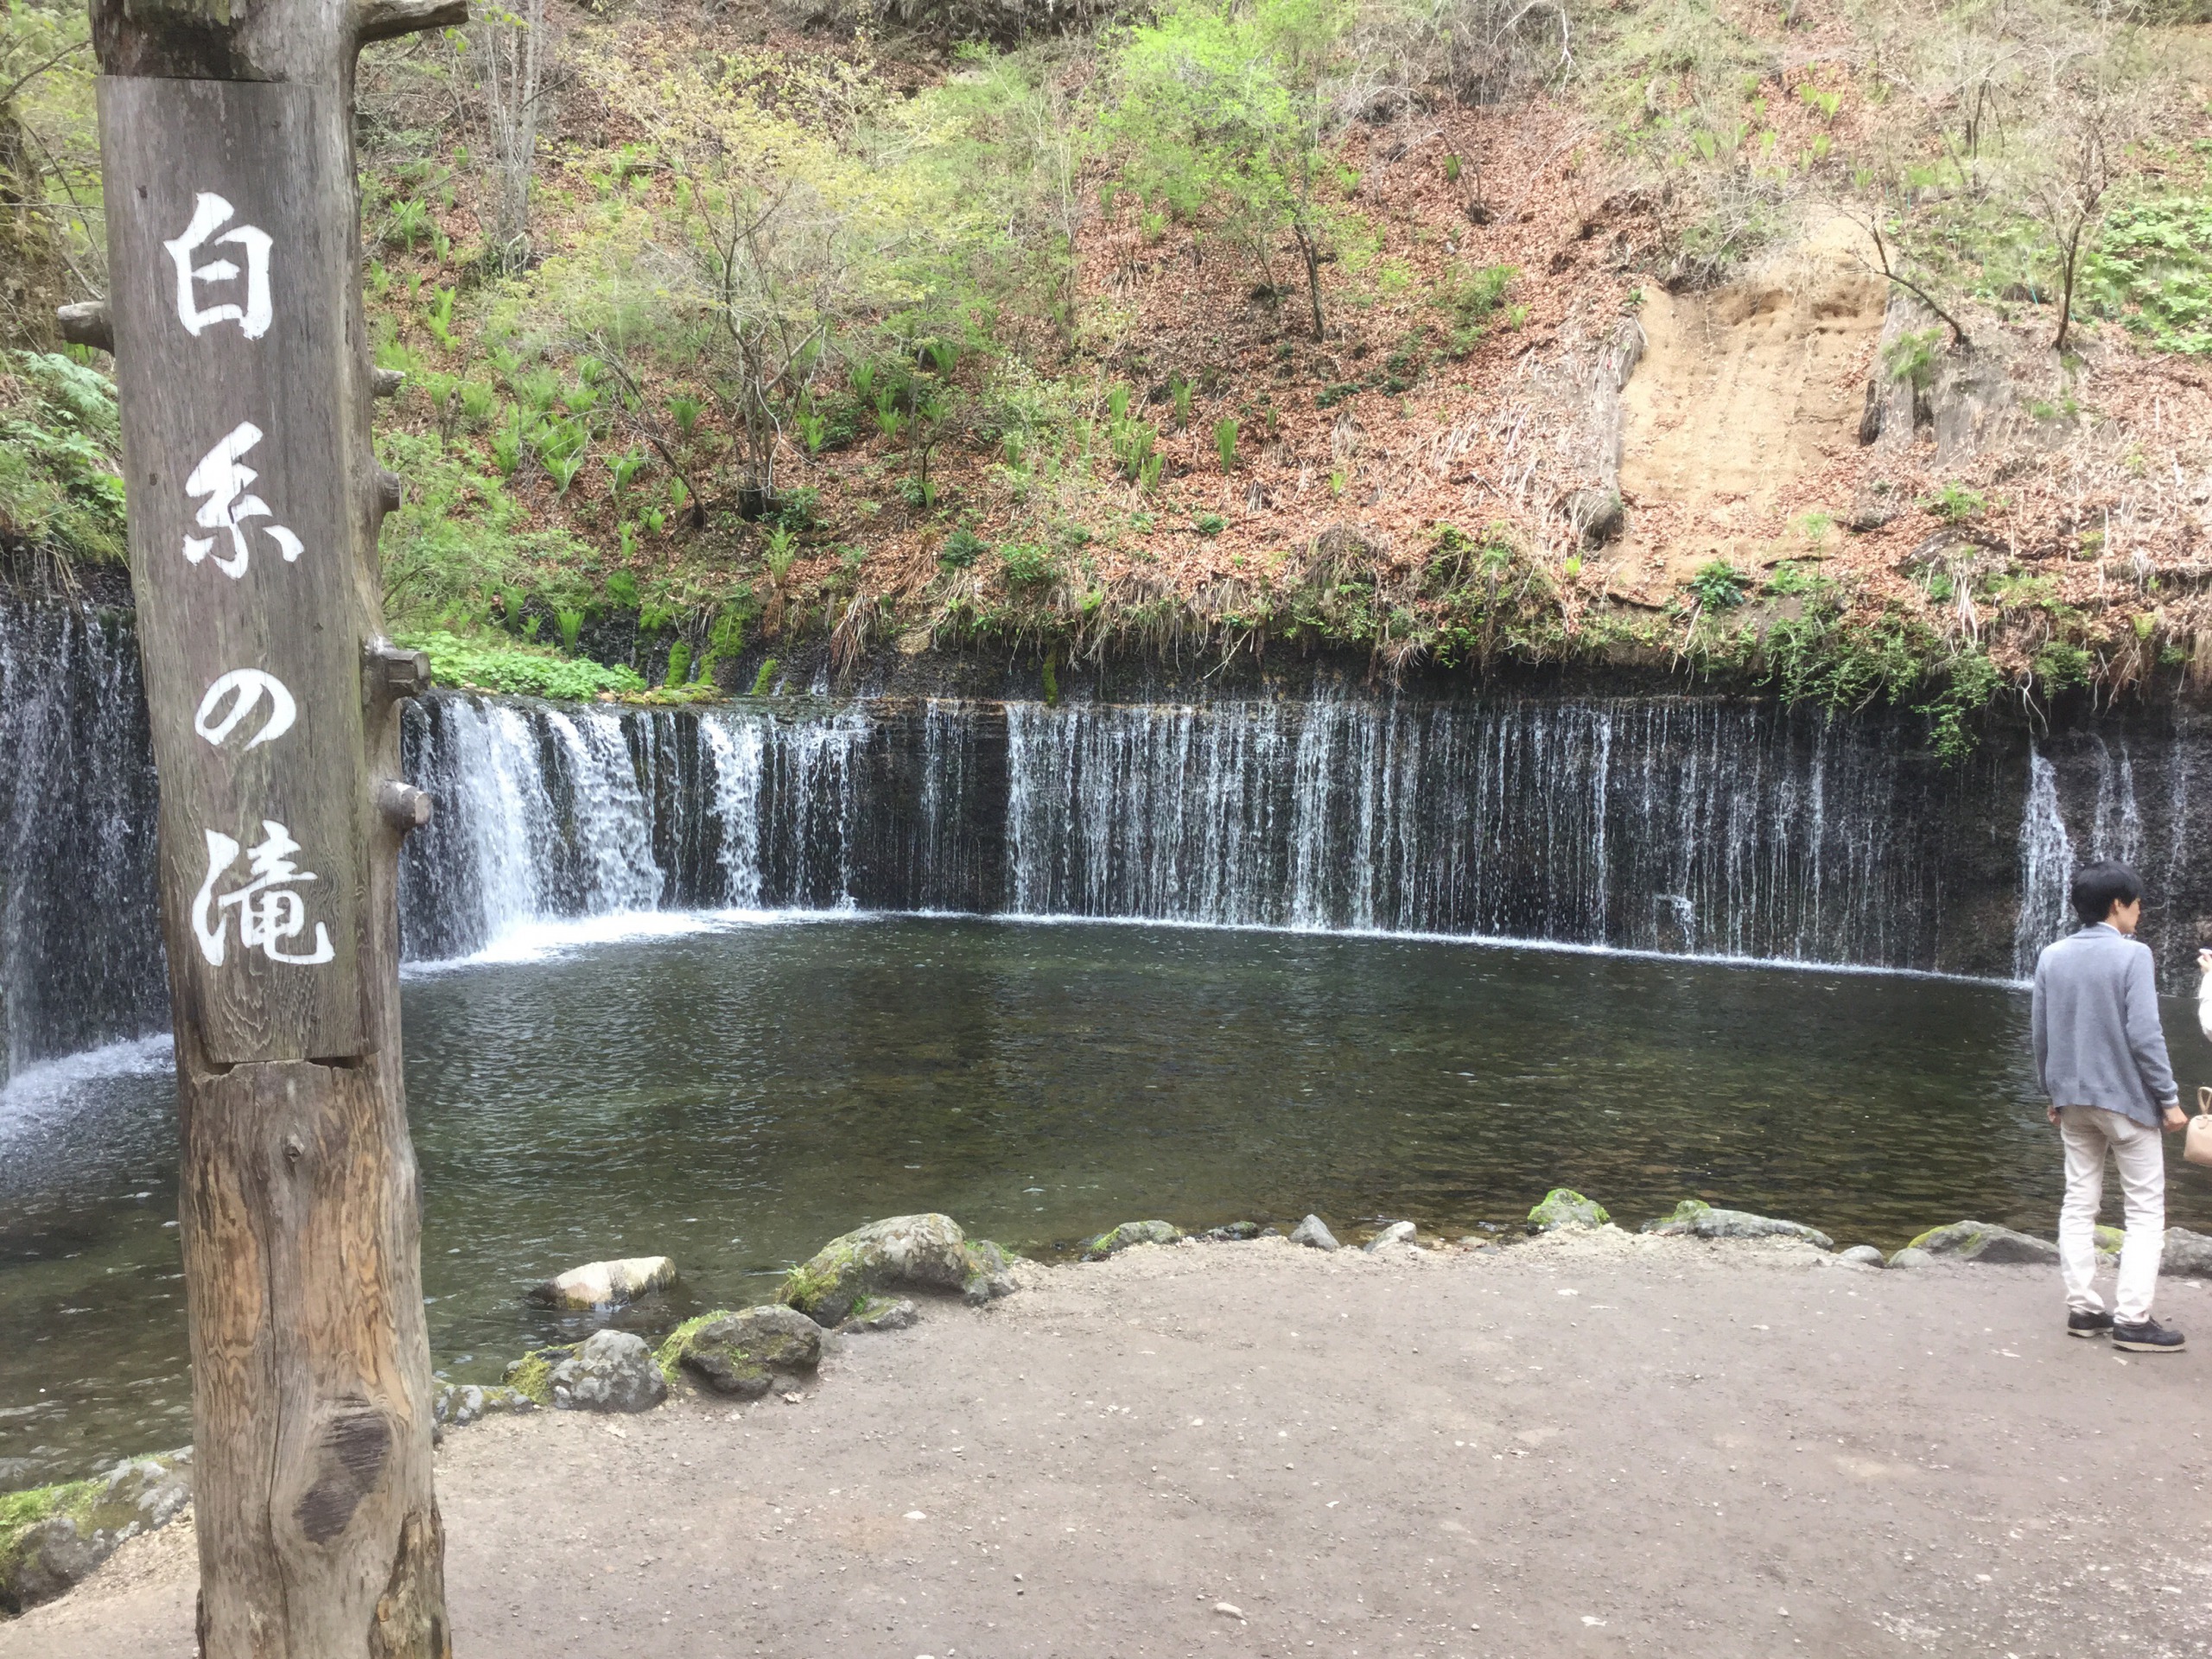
pixel 254 497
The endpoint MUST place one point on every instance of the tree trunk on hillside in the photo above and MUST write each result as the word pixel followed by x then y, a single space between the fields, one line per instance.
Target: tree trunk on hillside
pixel 511 68
pixel 254 503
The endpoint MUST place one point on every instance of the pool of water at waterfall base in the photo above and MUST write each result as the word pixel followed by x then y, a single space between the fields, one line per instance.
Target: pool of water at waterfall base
pixel 736 1095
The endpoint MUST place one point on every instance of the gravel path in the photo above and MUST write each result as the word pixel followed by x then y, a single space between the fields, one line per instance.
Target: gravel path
pixel 1597 1445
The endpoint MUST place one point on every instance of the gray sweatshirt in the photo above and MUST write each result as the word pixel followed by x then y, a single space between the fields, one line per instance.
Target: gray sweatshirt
pixel 2097 1037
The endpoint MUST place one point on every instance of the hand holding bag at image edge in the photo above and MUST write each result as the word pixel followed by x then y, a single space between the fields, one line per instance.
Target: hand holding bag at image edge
pixel 2197 1148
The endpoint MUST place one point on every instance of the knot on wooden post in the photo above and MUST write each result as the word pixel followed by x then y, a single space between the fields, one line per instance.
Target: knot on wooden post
pixel 386 383
pixel 390 673
pixel 380 20
pixel 404 807
pixel 388 489
pixel 87 323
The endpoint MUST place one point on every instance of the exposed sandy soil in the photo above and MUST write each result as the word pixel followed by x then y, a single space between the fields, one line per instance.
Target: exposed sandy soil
pixel 1569 1447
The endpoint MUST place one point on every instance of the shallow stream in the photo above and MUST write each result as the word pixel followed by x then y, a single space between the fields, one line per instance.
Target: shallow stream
pixel 732 1093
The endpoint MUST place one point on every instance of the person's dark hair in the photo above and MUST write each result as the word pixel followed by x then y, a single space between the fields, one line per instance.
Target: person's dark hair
pixel 2097 887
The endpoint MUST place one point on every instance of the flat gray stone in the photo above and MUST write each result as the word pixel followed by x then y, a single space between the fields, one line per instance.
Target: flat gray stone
pixel 2187 1254
pixel 1128 1234
pixel 1398 1232
pixel 607 1284
pixel 1864 1255
pixel 1696 1218
pixel 1910 1257
pixel 1983 1241
pixel 456 1405
pixel 1314 1233
pixel 879 1313
pixel 610 1370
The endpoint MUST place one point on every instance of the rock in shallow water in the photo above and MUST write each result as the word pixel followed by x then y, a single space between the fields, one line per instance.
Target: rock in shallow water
pixel 1980 1241
pixel 1696 1218
pixel 1130 1233
pixel 1565 1207
pixel 1398 1232
pixel 610 1370
pixel 1314 1233
pixel 607 1284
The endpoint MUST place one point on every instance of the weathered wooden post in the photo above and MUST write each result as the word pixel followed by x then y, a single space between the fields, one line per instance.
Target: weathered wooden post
pixel 234 313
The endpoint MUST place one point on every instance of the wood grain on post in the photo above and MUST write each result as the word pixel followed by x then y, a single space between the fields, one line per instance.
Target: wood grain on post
pixel 255 498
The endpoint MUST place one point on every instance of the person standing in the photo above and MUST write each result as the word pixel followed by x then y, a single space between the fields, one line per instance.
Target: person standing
pixel 2101 1057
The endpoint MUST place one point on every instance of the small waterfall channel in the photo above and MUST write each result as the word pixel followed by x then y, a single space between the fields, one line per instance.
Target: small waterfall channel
pixel 1711 826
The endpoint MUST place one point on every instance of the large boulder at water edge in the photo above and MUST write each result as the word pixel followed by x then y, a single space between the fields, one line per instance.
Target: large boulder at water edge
pixel 52 1537
pixel 1128 1233
pixel 1565 1207
pixel 1695 1219
pixel 743 1353
pixel 1983 1241
pixel 607 1284
pixel 609 1370
pixel 925 1252
pixel 2188 1256
pixel 1314 1233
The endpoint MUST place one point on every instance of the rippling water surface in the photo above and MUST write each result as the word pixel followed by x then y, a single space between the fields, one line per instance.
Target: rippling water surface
pixel 734 1096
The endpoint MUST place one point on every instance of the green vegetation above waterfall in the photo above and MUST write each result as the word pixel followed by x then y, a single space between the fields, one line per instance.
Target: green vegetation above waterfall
pixel 1851 351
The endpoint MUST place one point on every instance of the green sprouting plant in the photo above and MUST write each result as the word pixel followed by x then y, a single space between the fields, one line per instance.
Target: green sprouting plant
pixel 539 391
pixel 685 412
pixel 511 602
pixel 1954 503
pixel 864 381
pixel 622 591
pixel 441 315
pixel 1468 298
pixel 962 549
pixel 1224 443
pixel 1134 445
pixel 563 446
pixel 626 536
pixel 1209 524
pixel 1451 170
pixel 507 446
pixel 943 354
pixel 408 223
pixel 1338 479
pixel 439 389
pixel 1789 578
pixel 781 550
pixel 1117 404
pixel 624 469
pixel 479 403
pixel 571 624
pixel 1911 356
pixel 1719 586
pixel 1572 566
pixel 766 678
pixel 1822 103
pixel 811 428
pixel 888 418
pixel 1028 564
pixel 1179 389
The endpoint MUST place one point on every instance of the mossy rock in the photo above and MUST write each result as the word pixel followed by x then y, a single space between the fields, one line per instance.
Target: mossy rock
pixel 456 1405
pixel 1129 1234
pixel 923 1252
pixel 1695 1219
pixel 2109 1239
pixel 51 1536
pixel 1984 1242
pixel 1565 1207
pixel 532 1376
pixel 741 1352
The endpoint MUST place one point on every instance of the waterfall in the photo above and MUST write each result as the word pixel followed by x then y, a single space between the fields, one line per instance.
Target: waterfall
pixel 1725 827
pixel 80 959
pixel 2046 863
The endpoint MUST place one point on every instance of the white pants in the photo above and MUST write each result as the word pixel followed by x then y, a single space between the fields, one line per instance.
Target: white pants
pixel 2088 1132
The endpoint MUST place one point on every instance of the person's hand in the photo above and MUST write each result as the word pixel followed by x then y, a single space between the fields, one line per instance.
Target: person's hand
pixel 2205 961
pixel 2051 1112
pixel 2176 1118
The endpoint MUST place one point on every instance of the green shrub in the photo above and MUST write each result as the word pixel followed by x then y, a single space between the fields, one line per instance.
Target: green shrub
pixel 962 549
pixel 1028 564
pixel 1954 503
pixel 1719 586
pixel 519 671
pixel 1209 524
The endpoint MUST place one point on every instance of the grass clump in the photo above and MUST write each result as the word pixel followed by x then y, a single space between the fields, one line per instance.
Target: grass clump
pixel 520 670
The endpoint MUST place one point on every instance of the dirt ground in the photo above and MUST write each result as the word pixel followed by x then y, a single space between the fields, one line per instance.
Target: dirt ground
pixel 1597 1445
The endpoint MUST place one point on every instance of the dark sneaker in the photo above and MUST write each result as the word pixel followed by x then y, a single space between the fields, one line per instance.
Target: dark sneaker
pixel 2148 1337
pixel 2088 1324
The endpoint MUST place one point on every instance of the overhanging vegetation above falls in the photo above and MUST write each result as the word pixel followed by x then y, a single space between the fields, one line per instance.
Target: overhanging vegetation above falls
pixel 1841 351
